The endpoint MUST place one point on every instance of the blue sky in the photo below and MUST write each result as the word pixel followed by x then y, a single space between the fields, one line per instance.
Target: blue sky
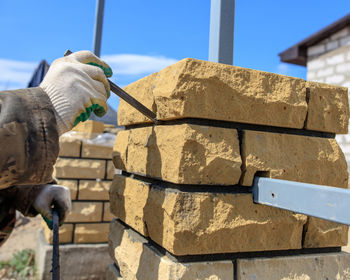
pixel 141 37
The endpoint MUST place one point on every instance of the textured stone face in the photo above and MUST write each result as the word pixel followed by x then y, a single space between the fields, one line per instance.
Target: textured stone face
pixel 137 259
pixel 90 127
pixel 93 190
pixel 72 185
pixel 91 233
pixel 110 170
pixel 200 89
pixel 182 154
pixel 297 158
pixel 113 273
pixel 69 147
pixel 301 267
pixel 328 108
pixel 321 233
pixel 189 223
pixel 80 168
pixel 95 151
pixel 107 215
pixel 85 212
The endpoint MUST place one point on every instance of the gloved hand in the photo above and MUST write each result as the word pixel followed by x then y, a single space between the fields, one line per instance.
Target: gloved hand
pixel 76 88
pixel 53 195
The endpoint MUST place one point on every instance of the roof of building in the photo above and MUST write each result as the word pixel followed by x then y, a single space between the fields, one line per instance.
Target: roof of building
pixel 297 54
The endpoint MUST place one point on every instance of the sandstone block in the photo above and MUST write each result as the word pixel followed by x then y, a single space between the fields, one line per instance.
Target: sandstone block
pixel 190 89
pixel 110 170
pixel 182 154
pixel 298 158
pixel 291 157
pixel 137 259
pixel 65 231
pixel 113 273
pixel 69 147
pixel 90 127
pixel 80 168
pixel 191 223
pixel 91 233
pixel 72 185
pixel 107 215
pixel 328 108
pixel 94 190
pixel 85 212
pixel 300 267
pixel 321 233
pixel 90 150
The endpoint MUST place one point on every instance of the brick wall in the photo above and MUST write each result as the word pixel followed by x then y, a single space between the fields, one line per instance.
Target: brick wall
pixel 86 169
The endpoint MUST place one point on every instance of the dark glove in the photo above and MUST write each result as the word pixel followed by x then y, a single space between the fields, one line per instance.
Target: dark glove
pixel 53 196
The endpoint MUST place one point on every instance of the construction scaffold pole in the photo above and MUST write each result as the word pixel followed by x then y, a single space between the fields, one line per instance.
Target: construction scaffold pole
pixel 222 18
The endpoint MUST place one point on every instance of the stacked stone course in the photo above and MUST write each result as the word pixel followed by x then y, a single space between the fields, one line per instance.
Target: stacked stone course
pixel 87 170
pixel 84 166
pixel 182 202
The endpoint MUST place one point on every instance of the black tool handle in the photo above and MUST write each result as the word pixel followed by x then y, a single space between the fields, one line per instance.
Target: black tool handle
pixel 128 98
pixel 55 246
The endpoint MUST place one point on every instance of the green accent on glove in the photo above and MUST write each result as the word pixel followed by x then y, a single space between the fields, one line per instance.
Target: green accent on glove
pixel 47 221
pixel 107 70
pixel 97 109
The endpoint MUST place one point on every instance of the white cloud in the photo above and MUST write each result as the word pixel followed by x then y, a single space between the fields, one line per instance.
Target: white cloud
pixel 283 69
pixel 14 73
pixel 135 64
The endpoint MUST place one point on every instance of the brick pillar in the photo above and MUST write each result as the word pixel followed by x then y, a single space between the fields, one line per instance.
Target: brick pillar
pixel 183 203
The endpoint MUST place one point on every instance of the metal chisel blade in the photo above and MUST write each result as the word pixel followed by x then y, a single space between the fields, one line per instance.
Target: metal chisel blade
pixel 128 98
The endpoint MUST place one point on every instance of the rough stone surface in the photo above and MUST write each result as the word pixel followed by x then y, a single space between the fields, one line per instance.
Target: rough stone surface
pixel 297 158
pixel 85 212
pixel 72 185
pixel 96 151
pixel 182 154
pixel 90 127
pixel 190 89
pixel 190 223
pixel 77 261
pixel 65 231
pixel 94 190
pixel 137 259
pixel 301 267
pixel 69 147
pixel 328 108
pixel 321 233
pixel 91 233
pixel 113 273
pixel 107 215
pixel 110 170
pixel 80 168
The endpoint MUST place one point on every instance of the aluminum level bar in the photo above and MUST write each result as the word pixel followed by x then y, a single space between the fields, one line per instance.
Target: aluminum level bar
pixel 323 202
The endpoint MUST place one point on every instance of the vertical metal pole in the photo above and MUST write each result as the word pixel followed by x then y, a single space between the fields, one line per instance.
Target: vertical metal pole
pixel 100 4
pixel 222 18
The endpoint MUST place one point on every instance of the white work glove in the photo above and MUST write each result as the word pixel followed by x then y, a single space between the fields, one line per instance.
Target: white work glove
pixel 53 196
pixel 77 85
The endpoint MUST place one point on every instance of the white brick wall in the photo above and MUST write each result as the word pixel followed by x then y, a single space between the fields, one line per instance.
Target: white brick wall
pixel 339 39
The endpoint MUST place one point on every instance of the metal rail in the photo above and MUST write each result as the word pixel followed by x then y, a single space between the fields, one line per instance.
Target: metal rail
pixel 329 203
